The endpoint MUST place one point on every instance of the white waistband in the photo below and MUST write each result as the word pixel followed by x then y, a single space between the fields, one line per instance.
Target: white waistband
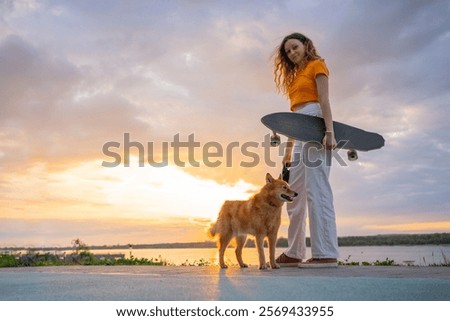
pixel 312 109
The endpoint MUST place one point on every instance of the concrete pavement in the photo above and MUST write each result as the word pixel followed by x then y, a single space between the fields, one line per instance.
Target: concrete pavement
pixel 180 283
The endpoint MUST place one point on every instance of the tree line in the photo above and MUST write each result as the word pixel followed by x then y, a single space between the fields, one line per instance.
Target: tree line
pixel 386 240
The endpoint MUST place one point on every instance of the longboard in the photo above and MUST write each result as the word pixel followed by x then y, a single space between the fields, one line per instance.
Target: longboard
pixel 310 128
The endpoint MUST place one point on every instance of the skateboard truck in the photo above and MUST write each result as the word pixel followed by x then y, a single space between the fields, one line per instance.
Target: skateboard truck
pixel 275 140
pixel 352 155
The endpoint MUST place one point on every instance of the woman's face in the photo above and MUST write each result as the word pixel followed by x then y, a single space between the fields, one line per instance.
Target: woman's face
pixel 295 50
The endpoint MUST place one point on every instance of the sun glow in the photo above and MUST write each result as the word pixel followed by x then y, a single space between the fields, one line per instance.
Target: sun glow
pixel 90 190
pixel 168 191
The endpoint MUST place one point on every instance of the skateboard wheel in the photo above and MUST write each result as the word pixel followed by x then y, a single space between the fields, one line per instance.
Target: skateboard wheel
pixel 352 155
pixel 275 140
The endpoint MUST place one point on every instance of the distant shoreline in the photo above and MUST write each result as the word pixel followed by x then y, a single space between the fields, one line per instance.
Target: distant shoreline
pixel 374 240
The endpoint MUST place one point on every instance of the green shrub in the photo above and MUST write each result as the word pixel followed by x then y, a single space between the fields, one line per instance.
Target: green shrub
pixel 8 260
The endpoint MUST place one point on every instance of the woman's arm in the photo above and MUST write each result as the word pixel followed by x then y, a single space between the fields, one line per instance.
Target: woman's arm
pixel 329 140
pixel 288 153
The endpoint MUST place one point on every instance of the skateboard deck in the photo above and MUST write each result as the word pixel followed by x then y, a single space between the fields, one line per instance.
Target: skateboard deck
pixel 310 128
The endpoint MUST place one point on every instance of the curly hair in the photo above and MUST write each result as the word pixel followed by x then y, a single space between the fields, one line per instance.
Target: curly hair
pixel 284 69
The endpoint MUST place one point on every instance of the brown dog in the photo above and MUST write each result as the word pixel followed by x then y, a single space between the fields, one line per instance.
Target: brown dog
pixel 259 216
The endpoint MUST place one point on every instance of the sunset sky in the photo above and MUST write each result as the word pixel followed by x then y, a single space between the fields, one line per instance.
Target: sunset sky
pixel 79 76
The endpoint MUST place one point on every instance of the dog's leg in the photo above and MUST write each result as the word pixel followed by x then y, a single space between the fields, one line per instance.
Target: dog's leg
pixel 224 240
pixel 240 242
pixel 260 246
pixel 272 244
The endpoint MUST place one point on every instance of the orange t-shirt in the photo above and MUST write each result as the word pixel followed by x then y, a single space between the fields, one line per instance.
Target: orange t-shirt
pixel 303 88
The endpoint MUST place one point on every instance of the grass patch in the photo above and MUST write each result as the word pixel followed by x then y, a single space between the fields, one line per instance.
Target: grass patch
pixel 387 262
pixel 7 260
pixel 82 258
pixel 201 262
pixel 81 255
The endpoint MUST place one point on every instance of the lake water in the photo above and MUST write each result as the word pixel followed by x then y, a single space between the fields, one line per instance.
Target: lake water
pixel 416 255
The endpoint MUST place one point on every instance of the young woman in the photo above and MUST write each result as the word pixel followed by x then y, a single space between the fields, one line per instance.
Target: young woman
pixel 302 75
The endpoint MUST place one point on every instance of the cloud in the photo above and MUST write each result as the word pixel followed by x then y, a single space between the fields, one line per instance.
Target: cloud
pixel 52 111
pixel 395 54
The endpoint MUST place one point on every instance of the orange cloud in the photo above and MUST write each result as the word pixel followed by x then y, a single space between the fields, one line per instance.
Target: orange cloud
pixel 416 227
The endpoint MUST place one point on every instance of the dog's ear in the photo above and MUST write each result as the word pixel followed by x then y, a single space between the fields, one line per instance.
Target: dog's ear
pixel 269 178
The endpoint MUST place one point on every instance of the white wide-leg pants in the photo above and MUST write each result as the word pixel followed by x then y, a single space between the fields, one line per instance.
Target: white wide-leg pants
pixel 309 176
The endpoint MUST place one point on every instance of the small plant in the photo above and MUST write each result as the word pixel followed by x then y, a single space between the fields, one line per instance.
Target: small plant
pixel 79 246
pixel 87 258
pixel 386 262
pixel 446 260
pixel 140 261
pixel 348 262
pixel 8 260
pixel 201 262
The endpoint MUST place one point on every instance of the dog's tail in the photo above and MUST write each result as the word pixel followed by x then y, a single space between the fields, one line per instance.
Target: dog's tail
pixel 212 230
